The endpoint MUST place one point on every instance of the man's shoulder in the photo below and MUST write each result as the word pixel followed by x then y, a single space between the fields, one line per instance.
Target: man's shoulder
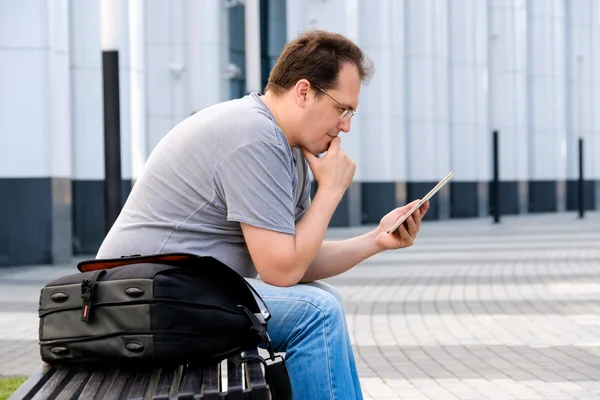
pixel 239 121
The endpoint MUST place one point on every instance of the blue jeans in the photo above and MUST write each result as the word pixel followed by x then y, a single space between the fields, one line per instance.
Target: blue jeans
pixel 308 323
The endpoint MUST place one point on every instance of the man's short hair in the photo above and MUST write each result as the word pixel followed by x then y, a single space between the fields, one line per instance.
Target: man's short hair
pixel 318 57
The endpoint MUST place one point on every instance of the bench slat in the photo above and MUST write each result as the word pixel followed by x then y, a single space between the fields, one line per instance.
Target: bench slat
pixel 32 385
pixel 93 384
pixel 140 383
pixel 165 383
pixel 211 382
pixel 118 385
pixel 54 384
pixel 235 388
pixel 76 384
pixel 191 381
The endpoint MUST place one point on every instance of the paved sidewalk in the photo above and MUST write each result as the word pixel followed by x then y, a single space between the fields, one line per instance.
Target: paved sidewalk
pixel 472 311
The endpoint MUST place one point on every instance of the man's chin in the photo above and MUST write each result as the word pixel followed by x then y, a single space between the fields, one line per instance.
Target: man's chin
pixel 323 150
pixel 318 151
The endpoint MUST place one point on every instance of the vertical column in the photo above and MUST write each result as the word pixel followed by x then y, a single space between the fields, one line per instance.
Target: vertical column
pixel 87 121
pixel 137 89
pixel 341 16
pixel 87 106
pixel 546 103
pixel 207 53
pixel 60 129
pixel 482 121
pixel 508 23
pixel 379 155
pixel 523 151
pixel 468 118
pixel 427 101
pixel 237 50
pixel 109 41
pixel 178 66
pixel 296 18
pixel 125 96
pixel 35 164
pixel 165 53
pixel 559 106
pixel 595 100
pixel 277 31
pixel 580 51
pixel 252 45
pixel 399 162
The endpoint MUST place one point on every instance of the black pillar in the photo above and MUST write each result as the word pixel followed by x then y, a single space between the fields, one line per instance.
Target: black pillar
pixel 112 137
pixel 496 178
pixel 580 185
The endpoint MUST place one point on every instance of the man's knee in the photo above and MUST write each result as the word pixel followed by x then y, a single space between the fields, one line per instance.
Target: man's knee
pixel 330 289
pixel 327 302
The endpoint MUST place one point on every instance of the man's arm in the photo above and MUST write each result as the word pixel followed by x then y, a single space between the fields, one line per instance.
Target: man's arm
pixel 283 259
pixel 336 257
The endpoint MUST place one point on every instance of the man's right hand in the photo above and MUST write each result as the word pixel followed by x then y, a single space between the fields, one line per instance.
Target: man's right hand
pixel 334 171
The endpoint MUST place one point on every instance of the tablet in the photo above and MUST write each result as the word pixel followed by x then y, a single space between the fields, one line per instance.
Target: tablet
pixel 423 200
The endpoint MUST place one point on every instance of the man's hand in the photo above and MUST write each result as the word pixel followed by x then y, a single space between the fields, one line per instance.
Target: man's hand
pixel 406 233
pixel 333 172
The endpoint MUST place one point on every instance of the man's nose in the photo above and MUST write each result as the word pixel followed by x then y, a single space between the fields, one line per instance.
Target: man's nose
pixel 344 126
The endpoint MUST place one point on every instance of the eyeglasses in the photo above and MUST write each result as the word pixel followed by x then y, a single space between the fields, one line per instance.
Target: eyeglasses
pixel 347 114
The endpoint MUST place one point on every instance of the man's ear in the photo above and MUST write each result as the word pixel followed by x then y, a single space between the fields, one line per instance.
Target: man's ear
pixel 301 92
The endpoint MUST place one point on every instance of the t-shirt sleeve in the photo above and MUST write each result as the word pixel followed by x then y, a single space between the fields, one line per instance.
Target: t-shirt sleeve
pixel 255 183
pixel 305 187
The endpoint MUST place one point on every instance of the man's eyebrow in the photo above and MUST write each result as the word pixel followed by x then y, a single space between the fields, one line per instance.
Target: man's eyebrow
pixel 346 106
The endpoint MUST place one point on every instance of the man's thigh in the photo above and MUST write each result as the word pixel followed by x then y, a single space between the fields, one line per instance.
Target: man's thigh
pixel 293 309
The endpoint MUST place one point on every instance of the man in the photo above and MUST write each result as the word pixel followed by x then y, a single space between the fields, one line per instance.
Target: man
pixel 232 182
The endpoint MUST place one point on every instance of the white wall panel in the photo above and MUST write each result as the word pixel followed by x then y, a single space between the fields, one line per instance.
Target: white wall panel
pixel 374 38
pixel 35 125
pixel 427 89
pixel 23 24
pixel 207 54
pixel 86 91
pixel 24 119
pixel 166 63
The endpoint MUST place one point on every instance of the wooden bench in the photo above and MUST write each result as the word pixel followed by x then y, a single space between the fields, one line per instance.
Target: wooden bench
pixel 244 381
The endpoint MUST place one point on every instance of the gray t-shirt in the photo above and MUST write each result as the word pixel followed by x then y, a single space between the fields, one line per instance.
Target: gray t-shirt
pixel 226 164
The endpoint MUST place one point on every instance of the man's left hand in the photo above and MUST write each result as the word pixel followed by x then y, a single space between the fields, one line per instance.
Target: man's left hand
pixel 406 233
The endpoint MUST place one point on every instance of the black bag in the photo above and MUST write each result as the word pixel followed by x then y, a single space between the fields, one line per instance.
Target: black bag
pixel 160 309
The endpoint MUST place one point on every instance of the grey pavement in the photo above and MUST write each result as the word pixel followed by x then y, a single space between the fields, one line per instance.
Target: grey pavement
pixel 473 310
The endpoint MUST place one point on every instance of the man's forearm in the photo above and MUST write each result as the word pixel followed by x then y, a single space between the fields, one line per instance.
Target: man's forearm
pixel 336 257
pixel 310 231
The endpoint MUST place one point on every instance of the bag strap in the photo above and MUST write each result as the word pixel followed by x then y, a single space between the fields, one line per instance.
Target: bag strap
pixel 261 328
pixel 265 314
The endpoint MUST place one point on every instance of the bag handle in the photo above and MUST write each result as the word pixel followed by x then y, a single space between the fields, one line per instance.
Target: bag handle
pixel 98 264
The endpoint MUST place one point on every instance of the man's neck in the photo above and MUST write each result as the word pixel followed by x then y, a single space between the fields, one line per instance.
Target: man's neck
pixel 277 107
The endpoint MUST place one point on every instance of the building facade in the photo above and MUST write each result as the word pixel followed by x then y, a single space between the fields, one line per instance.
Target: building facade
pixel 448 73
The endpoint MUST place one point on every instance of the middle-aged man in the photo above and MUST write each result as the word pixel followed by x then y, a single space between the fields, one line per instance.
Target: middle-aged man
pixel 232 182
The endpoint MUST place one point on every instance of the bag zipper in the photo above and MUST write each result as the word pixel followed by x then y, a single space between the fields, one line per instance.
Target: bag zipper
pixel 137 302
pixel 78 339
